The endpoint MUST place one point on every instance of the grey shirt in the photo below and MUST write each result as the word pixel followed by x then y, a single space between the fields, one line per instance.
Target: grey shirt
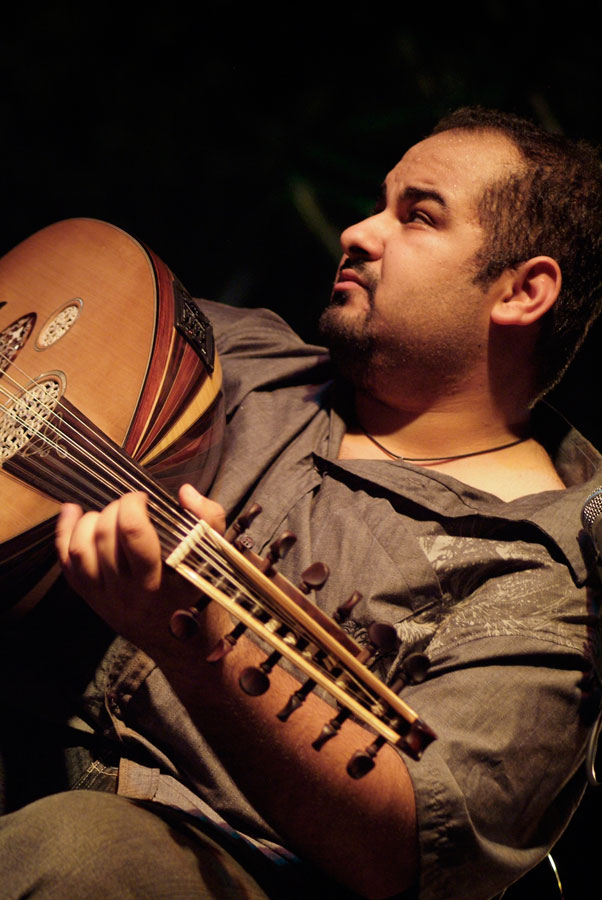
pixel 493 592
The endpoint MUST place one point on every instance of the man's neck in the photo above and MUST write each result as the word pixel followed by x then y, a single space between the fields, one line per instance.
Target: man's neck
pixel 446 427
pixel 468 441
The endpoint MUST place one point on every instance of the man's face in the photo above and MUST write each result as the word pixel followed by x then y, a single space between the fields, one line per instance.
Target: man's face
pixel 404 301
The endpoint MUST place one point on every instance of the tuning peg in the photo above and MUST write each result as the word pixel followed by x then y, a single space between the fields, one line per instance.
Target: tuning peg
pixel 296 700
pixel 417 665
pixel 278 550
pixel 344 611
pixel 184 623
pixel 382 637
pixel 272 660
pixel 253 681
pixel 282 545
pixel 314 578
pixel 331 729
pixel 413 671
pixel 243 521
pixel 362 761
pixel 226 644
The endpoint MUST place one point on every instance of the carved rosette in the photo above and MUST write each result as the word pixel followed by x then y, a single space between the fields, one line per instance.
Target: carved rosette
pixel 59 324
pixel 26 416
pixel 13 338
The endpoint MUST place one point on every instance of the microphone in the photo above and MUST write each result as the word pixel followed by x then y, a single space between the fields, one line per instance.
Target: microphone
pixel 591 518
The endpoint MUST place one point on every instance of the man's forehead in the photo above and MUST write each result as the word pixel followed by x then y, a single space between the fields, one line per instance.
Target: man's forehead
pixel 456 164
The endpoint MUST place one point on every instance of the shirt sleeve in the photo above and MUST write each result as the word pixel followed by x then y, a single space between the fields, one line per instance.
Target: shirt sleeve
pixel 259 351
pixel 498 786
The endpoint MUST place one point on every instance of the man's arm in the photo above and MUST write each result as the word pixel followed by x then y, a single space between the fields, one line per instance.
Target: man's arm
pixel 362 833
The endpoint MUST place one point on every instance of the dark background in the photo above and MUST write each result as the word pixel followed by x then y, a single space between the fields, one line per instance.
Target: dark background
pixel 237 144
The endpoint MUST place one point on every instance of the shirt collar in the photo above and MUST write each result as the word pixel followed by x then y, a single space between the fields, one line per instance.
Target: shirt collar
pixel 555 513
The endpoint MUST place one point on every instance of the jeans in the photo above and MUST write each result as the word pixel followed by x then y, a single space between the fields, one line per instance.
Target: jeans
pixel 88 845
pixel 64 832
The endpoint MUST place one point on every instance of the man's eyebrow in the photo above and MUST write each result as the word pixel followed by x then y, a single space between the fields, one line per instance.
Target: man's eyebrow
pixel 412 194
pixel 415 194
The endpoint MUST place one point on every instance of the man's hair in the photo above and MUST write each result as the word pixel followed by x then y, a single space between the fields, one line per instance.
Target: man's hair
pixel 550 206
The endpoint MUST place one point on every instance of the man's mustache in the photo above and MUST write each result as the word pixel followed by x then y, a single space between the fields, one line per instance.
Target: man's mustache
pixel 361 268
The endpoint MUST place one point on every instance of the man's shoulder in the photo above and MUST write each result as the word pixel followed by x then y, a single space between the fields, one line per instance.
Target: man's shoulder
pixel 253 331
pixel 260 355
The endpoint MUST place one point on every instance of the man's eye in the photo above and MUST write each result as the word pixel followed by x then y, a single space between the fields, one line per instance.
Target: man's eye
pixel 419 215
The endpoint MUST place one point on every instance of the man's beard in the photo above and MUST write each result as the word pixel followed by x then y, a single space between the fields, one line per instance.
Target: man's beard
pixel 367 353
pixel 381 356
pixel 350 338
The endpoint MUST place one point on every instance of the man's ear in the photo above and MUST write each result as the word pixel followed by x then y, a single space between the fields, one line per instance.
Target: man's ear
pixel 527 292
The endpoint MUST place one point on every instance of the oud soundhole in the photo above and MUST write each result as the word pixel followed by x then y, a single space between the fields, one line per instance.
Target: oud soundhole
pixel 13 338
pixel 25 417
pixel 59 323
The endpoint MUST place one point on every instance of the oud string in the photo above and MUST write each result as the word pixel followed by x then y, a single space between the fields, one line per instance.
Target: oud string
pixel 202 550
pixel 45 429
pixel 131 479
pixel 160 502
pixel 167 520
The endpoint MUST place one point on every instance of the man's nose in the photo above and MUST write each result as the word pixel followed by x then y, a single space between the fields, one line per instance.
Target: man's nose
pixel 365 239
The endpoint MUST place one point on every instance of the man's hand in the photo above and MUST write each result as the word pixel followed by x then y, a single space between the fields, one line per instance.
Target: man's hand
pixel 113 560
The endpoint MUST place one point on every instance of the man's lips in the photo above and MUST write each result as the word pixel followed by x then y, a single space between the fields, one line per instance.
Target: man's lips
pixel 348 278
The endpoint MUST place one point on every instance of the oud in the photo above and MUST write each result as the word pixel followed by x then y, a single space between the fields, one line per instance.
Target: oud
pixel 109 383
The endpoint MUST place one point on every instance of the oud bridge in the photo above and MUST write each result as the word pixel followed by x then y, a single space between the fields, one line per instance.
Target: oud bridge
pixel 296 630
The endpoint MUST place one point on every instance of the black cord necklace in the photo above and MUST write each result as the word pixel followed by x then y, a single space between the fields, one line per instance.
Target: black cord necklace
pixel 420 459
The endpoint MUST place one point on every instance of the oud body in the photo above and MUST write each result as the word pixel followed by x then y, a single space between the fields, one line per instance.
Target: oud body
pixel 90 314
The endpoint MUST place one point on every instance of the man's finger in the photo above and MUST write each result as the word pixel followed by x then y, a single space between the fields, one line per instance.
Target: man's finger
pixel 78 550
pixel 138 541
pixel 111 560
pixel 213 513
pixel 68 518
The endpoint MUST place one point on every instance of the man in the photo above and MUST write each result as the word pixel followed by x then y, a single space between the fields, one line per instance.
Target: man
pixel 428 486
